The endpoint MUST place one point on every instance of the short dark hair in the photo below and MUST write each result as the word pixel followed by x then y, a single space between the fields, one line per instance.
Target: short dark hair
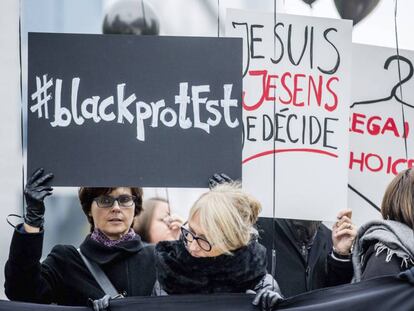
pixel 87 195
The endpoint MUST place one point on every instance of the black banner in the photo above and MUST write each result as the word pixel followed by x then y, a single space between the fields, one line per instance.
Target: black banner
pixel 380 294
pixel 122 110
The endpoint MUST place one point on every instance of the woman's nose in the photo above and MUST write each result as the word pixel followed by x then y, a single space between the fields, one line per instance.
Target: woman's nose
pixel 115 206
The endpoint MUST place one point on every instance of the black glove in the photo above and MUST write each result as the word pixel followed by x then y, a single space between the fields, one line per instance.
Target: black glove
pixel 34 193
pixel 101 304
pixel 218 179
pixel 267 299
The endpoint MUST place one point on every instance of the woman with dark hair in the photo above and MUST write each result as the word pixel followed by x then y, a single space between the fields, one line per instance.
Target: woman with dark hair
pixel 155 223
pixel 64 276
pixel 385 247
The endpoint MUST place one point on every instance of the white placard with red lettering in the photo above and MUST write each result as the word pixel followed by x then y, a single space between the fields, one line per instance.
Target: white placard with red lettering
pixel 377 144
pixel 297 69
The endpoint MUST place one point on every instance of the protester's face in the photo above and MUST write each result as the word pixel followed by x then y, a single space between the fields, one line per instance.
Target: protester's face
pixel 193 247
pixel 159 229
pixel 114 221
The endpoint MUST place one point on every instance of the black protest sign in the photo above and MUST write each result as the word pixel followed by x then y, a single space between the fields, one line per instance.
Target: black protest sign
pixel 111 110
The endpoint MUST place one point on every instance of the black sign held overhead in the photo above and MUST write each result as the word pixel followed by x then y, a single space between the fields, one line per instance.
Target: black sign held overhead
pixel 112 110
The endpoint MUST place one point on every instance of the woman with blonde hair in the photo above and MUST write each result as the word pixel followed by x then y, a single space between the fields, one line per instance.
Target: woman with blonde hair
pixel 218 251
pixel 385 247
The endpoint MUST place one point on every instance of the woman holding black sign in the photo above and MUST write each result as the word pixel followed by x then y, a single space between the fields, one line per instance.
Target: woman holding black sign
pixel 218 251
pixel 70 276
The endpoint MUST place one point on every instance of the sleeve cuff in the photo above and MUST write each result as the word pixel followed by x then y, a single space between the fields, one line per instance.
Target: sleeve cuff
pixel 341 258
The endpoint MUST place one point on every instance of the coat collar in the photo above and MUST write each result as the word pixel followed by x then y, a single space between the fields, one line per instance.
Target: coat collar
pixel 318 243
pixel 103 254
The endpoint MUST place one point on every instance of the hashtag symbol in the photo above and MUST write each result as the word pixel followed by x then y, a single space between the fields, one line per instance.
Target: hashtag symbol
pixel 41 96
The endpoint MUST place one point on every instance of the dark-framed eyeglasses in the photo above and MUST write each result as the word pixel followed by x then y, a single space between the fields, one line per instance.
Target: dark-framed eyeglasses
pixel 124 200
pixel 187 237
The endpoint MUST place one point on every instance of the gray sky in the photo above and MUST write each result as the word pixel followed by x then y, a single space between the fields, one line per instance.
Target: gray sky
pixel 376 29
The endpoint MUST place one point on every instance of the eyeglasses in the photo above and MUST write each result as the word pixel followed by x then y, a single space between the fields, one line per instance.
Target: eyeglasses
pixel 124 200
pixel 187 237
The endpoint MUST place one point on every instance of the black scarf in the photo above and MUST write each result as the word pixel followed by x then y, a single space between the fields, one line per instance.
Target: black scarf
pixel 180 273
pixel 103 254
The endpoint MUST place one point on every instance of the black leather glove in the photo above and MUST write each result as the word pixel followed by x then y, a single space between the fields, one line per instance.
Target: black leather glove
pixel 34 193
pixel 267 299
pixel 218 179
pixel 101 304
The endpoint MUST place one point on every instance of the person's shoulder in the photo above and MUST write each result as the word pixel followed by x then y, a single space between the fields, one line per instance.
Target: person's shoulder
pixel 370 248
pixel 381 254
pixel 147 247
pixel 324 230
pixel 269 223
pixel 167 250
pixel 324 233
pixel 64 250
pixel 166 246
pixel 324 236
pixel 379 261
pixel 147 250
pixel 61 256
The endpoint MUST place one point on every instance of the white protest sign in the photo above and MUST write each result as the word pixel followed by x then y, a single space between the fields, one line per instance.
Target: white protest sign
pixel 297 70
pixel 377 144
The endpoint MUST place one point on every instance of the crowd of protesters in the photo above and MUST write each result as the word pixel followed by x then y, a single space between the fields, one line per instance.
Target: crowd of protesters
pixel 138 248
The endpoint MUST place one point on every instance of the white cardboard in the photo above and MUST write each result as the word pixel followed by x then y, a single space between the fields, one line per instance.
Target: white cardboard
pixel 376 129
pixel 308 185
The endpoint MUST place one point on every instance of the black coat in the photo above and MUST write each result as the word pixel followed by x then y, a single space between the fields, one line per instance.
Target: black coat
pixel 64 279
pixel 293 274
pixel 375 266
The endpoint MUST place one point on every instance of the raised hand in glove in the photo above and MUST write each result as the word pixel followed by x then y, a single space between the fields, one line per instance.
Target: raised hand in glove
pixel 218 179
pixel 267 299
pixel 34 193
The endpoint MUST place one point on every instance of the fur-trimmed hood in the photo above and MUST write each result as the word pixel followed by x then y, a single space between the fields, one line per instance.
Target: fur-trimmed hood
pixel 180 273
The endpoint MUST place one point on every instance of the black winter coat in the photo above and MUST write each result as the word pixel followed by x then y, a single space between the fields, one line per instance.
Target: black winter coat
pixel 293 274
pixel 375 266
pixel 64 279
